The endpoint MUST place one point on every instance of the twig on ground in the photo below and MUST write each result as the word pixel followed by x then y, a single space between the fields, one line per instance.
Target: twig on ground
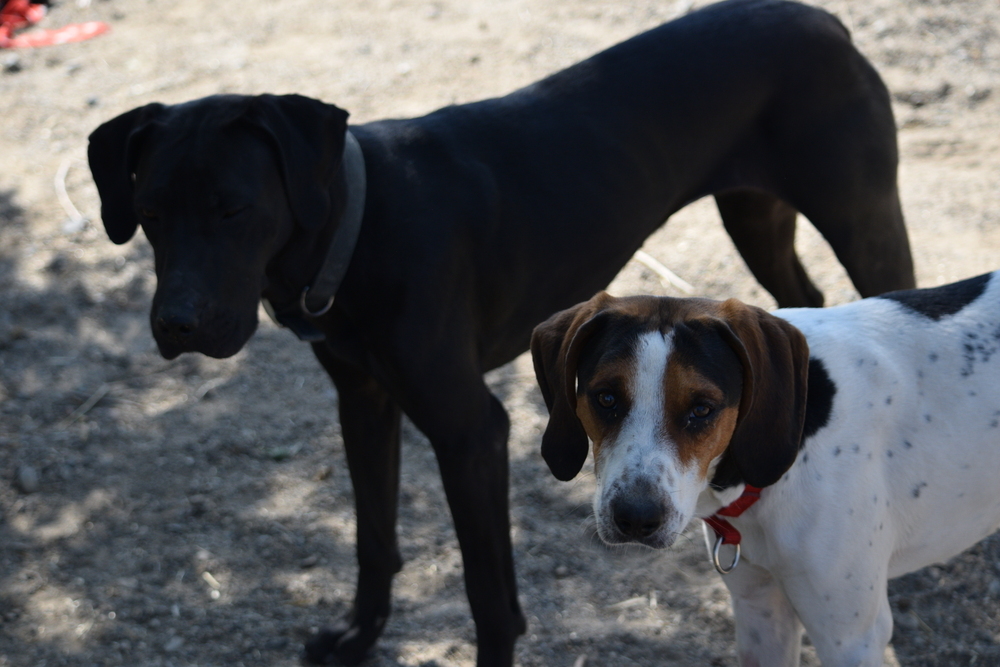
pixel 85 407
pixel 101 392
pixel 657 267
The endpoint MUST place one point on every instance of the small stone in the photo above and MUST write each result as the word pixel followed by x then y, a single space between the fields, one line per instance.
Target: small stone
pixel 200 505
pixel 561 571
pixel 277 644
pixel 27 479
pixel 976 95
pixel 173 644
pixel 280 454
pixel 12 63
pixel 308 562
pixel 59 265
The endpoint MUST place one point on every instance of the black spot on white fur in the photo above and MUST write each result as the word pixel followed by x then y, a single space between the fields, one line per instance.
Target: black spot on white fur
pixel 819 398
pixel 938 302
pixel 979 349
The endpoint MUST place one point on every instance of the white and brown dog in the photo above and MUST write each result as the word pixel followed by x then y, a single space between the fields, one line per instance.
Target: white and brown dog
pixel 872 428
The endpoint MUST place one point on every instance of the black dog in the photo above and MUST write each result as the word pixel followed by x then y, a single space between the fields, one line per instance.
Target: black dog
pixel 481 220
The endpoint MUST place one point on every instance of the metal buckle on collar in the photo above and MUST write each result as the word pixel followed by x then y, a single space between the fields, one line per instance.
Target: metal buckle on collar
pixel 725 533
pixel 291 319
pixel 305 308
pixel 715 557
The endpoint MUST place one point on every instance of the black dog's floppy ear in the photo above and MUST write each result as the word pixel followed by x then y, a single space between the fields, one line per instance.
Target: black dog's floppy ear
pixel 556 345
pixel 309 138
pixel 775 358
pixel 112 153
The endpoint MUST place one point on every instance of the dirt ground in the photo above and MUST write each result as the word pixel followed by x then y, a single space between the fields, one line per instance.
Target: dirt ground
pixel 198 512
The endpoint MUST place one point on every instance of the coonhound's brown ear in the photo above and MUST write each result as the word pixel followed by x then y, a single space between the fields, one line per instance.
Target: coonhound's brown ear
pixel 308 136
pixel 112 153
pixel 556 345
pixel 775 358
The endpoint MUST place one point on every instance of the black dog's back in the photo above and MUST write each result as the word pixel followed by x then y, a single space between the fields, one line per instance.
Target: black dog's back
pixel 765 103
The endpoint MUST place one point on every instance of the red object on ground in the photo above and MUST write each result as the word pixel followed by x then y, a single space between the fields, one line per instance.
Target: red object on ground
pixel 17 14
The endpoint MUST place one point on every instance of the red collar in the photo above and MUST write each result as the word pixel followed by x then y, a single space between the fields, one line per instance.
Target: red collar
pixel 723 528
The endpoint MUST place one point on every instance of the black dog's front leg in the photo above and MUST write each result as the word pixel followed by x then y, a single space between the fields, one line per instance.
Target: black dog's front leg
pixel 469 436
pixel 370 423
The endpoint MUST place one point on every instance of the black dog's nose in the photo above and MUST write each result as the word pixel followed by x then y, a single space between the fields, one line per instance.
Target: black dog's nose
pixel 637 518
pixel 178 324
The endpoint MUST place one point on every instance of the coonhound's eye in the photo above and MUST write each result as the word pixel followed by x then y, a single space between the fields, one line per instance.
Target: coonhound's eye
pixel 233 212
pixel 148 213
pixel 607 400
pixel 701 411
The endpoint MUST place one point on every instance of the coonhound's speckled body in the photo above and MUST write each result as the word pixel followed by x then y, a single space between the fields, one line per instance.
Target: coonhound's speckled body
pixel 874 428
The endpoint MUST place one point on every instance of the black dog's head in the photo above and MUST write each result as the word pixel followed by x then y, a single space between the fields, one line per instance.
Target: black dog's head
pixel 219 185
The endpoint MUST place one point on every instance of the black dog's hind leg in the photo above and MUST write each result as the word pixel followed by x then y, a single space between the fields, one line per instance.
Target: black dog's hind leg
pixel 762 227
pixel 840 169
pixel 468 428
pixel 370 423
pixel 867 233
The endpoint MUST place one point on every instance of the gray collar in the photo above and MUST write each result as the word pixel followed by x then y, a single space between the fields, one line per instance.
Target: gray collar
pixel 317 299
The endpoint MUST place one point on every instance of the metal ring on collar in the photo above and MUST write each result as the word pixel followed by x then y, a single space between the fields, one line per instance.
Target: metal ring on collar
pixel 305 308
pixel 715 557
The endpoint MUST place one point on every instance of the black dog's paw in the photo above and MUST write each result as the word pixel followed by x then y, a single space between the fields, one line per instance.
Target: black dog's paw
pixel 341 644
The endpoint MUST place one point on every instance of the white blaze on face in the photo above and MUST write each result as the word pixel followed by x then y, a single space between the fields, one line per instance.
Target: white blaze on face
pixel 641 459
